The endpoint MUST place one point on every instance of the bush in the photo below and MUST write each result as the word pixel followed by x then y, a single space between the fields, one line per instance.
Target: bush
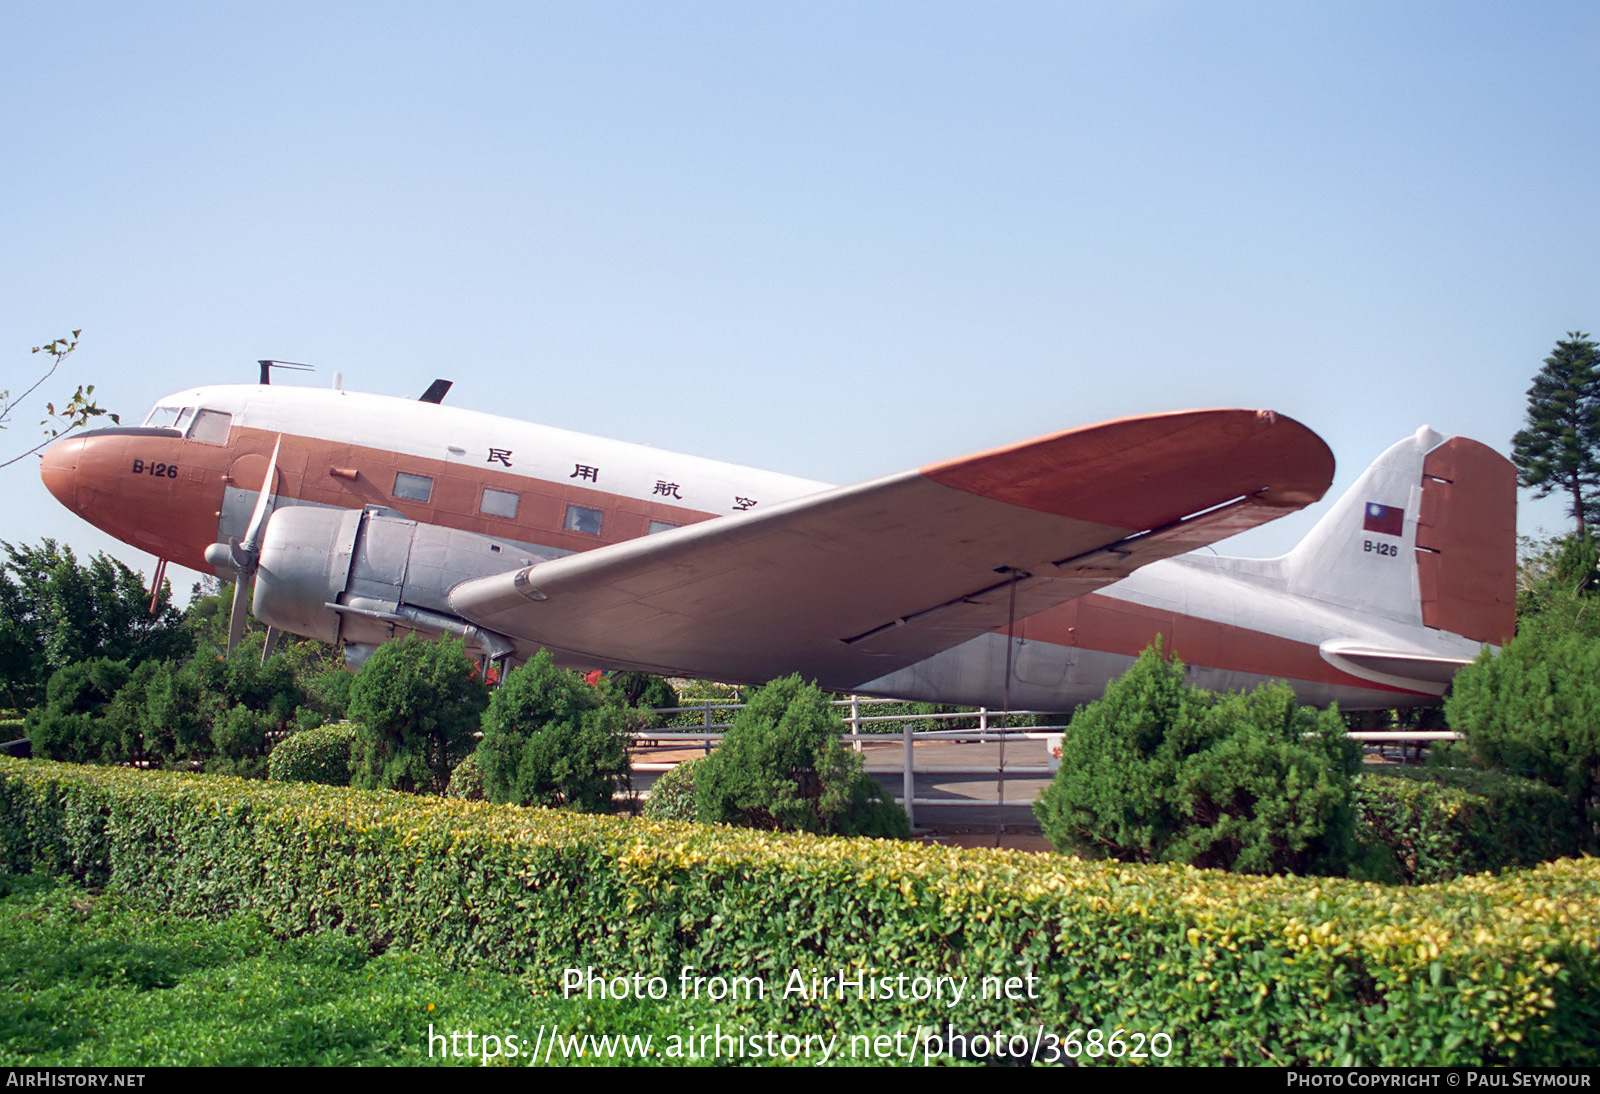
pixel 320 755
pixel 672 795
pixel 1157 771
pixel 782 766
pixel 1441 822
pixel 329 693
pixel 641 693
pixel 1534 710
pixel 71 724
pixel 466 781
pixel 416 703
pixel 551 739
pixel 240 737
pixel 176 735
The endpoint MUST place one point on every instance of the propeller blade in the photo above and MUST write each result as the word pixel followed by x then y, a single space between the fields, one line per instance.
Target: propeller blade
pixel 258 519
pixel 273 634
pixel 238 612
pixel 248 554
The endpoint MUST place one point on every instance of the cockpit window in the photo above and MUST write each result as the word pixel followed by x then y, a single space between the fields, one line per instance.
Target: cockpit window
pixel 184 417
pixel 211 426
pixel 162 417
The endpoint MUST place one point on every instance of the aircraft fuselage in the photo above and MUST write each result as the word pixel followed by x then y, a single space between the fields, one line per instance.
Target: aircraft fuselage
pixel 191 477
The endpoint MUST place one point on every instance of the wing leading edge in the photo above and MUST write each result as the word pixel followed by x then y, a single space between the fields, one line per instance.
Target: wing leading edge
pixel 850 584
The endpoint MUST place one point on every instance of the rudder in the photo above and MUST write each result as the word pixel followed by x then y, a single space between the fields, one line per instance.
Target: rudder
pixel 1467 541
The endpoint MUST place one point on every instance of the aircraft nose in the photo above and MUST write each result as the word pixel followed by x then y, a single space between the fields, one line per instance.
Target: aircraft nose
pixel 59 470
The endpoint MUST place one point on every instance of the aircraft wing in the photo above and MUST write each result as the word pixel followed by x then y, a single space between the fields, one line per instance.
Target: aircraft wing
pixel 849 584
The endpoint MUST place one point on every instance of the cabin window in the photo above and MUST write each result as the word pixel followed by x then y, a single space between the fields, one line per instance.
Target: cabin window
pixel 162 417
pixel 660 526
pixel 211 426
pixel 498 503
pixel 413 487
pixel 581 519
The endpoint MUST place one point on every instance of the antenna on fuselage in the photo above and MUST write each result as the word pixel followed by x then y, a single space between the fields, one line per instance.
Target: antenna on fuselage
pixel 268 366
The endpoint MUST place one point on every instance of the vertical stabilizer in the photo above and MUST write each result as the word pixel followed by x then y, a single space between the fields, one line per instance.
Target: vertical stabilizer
pixel 1426 536
pixel 1361 553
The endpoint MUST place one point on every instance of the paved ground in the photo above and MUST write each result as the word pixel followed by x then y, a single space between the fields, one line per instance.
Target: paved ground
pixel 974 815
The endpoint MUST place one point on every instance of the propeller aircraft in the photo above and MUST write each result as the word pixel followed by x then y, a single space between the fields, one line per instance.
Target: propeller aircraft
pixel 1026 577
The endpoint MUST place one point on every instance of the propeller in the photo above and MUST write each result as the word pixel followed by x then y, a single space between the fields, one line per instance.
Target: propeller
pixel 244 556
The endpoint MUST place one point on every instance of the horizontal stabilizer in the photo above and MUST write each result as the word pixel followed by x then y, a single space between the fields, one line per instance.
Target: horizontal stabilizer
pixel 1427 672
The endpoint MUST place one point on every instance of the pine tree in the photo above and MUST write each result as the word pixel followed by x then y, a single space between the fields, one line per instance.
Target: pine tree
pixel 1560 448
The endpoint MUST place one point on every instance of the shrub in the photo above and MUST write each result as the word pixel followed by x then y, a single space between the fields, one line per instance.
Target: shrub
pixel 641 693
pixel 466 781
pixel 672 795
pixel 551 739
pixel 240 737
pixel 1534 710
pixel 320 755
pixel 782 766
pixel 416 704
pixel 329 693
pixel 1441 822
pixel 71 724
pixel 176 734
pixel 1157 771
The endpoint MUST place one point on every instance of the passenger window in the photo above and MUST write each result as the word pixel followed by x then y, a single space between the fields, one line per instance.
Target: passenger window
pixel 498 503
pixel 413 487
pixel 211 426
pixel 580 519
pixel 660 526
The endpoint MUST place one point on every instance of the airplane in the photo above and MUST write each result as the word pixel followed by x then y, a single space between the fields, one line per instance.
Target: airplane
pixel 1025 577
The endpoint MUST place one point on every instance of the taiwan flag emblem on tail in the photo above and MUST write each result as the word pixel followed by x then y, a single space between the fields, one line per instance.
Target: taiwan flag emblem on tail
pixel 1384 519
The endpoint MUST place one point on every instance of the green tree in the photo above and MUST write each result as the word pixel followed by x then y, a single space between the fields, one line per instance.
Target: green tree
pixel 1158 771
pixel 1559 449
pixel 76 411
pixel 55 611
pixel 1557 584
pixel 417 703
pixel 551 739
pixel 782 766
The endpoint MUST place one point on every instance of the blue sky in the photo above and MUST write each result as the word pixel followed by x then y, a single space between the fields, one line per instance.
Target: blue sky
pixel 834 240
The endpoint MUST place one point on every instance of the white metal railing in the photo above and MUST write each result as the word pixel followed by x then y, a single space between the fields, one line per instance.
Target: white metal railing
pixel 710 733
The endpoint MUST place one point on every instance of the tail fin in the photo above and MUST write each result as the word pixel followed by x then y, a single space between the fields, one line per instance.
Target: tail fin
pixel 1426 536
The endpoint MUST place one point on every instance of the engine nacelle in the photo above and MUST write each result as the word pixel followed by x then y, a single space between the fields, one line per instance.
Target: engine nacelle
pixel 371 575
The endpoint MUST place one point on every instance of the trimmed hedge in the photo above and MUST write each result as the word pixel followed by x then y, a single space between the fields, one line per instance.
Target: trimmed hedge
pixel 320 755
pixel 1234 969
pixel 466 780
pixel 1441 823
pixel 672 795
